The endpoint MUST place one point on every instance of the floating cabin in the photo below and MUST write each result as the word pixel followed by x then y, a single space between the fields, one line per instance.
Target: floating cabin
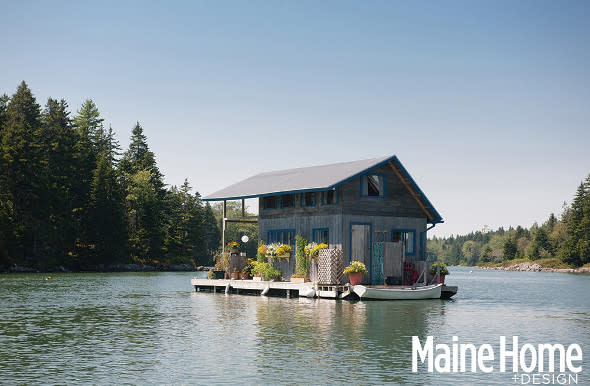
pixel 372 210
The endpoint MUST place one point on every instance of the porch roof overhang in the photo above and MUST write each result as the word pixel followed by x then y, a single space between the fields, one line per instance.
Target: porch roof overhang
pixel 320 178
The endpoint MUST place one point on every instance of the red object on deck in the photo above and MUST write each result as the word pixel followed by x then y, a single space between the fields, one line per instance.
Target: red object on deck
pixel 410 273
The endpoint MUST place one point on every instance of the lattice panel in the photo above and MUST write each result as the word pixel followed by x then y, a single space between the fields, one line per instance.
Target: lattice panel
pixel 331 266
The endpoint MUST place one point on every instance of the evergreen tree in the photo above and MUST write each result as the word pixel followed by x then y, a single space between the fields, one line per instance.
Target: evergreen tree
pixel 145 198
pixel 509 249
pixel 184 236
pixel 88 127
pixel 107 226
pixel 139 157
pixel 211 234
pixel 60 169
pixel 21 183
pixel 576 250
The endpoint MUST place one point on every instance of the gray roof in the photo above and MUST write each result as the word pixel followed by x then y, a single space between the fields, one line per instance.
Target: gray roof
pixel 309 179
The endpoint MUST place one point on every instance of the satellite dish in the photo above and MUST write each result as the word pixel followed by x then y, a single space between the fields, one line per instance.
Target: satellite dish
pixel 245 239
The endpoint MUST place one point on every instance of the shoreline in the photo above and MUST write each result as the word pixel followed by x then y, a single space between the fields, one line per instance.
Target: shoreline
pixel 534 267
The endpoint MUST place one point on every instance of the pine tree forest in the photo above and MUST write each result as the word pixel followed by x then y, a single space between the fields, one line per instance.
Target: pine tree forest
pixel 70 197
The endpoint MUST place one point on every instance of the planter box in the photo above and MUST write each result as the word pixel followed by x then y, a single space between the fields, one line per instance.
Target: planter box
pixel 299 280
pixel 219 274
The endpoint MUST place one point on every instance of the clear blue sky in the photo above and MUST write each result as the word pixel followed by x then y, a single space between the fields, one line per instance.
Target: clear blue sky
pixel 486 103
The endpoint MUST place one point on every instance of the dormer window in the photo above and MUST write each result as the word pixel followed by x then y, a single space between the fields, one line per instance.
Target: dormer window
pixel 373 185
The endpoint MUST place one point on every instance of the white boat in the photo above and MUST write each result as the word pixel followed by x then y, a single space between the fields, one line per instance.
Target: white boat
pixel 398 293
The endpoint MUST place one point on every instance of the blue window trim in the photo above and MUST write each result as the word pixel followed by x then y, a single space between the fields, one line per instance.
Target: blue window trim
pixel 281 199
pixel 320 229
pixel 403 232
pixel 370 245
pixel 364 179
pixel 302 200
pixel 281 231
pixel 337 194
pixel 277 204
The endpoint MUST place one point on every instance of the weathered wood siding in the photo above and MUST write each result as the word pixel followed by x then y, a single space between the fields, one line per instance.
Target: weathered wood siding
pixel 304 225
pixel 397 202
pixel 300 210
pixel 381 227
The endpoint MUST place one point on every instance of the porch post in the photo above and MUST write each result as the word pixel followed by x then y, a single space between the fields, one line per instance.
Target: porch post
pixel 223 226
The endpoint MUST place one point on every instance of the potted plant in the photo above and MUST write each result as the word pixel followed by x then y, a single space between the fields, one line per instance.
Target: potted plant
pixel 235 274
pixel 267 272
pixel 355 272
pixel 233 247
pixel 313 250
pixel 301 261
pixel 247 271
pixel 261 252
pixel 443 271
pixel 278 251
pixel 211 275
pixel 221 264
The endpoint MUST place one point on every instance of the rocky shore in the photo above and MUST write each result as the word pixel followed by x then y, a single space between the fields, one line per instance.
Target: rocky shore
pixel 534 267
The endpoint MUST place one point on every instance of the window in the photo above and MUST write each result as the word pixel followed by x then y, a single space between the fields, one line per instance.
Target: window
pixel 269 202
pixel 283 236
pixel 330 197
pixel 408 237
pixel 308 199
pixel 373 185
pixel 287 201
pixel 321 235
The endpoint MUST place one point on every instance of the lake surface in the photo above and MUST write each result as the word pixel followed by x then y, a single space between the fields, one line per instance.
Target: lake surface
pixel 152 328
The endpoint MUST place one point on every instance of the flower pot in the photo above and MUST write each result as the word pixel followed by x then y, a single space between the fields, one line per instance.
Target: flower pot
pixel 235 275
pixel 234 251
pixel 257 278
pixel 355 278
pixel 244 276
pixel 219 274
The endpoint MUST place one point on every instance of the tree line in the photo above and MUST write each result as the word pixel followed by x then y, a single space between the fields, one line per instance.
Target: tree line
pixel 70 197
pixel 564 240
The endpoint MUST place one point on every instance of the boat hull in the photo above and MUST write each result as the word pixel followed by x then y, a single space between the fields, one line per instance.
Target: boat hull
pixel 406 293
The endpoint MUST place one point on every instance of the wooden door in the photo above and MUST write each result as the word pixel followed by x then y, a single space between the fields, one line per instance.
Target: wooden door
pixel 360 248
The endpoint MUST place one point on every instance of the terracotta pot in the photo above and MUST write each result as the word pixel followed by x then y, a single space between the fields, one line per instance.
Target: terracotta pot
pixel 235 275
pixel 244 276
pixel 441 281
pixel 355 278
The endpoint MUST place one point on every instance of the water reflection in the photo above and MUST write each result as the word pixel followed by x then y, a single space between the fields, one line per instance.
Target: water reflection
pixel 368 338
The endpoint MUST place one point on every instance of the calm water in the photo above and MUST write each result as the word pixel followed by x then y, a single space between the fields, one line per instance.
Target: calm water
pixel 144 328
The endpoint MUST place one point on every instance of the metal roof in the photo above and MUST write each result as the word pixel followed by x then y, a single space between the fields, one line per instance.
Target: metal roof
pixel 310 179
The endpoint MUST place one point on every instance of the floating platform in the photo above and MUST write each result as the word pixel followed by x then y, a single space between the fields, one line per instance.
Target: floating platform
pixel 287 289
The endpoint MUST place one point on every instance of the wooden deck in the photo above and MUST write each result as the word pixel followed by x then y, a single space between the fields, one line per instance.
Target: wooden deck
pixel 288 289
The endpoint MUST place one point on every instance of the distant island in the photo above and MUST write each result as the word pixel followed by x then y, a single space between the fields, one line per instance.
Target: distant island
pixel 559 244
